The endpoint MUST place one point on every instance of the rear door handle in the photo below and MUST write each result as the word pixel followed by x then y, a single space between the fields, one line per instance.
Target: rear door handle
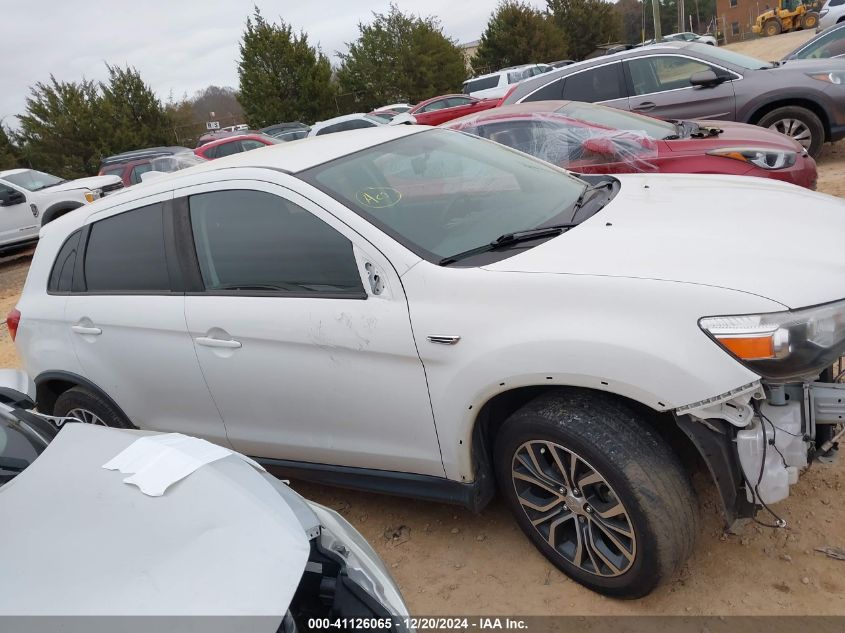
pixel 81 329
pixel 207 341
pixel 645 106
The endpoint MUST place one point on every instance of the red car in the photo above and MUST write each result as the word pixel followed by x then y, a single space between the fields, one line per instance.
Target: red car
pixel 593 139
pixel 234 145
pixel 447 107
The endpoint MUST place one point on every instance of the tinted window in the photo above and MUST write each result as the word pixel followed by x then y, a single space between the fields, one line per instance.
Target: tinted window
pixel 126 253
pixel 61 278
pixel 596 84
pixel 835 3
pixel 211 152
pixel 113 171
pixel 250 144
pixel 435 105
pixel 663 72
pixel 252 240
pixel 137 170
pixel 831 44
pixel 550 92
pixel 227 149
pixel 458 101
pixel 481 84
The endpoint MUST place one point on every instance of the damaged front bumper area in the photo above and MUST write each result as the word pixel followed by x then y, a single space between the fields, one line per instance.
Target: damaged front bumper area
pixel 758 439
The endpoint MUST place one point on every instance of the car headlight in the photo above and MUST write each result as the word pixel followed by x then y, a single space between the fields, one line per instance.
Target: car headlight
pixel 89 196
pixel 763 158
pixel 782 345
pixel 834 77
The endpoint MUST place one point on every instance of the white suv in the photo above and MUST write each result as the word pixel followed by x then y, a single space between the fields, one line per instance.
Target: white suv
pixel 833 12
pixel 495 85
pixel 30 199
pixel 417 311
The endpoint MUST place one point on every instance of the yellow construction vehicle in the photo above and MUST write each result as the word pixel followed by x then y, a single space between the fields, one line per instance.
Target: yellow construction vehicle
pixel 790 15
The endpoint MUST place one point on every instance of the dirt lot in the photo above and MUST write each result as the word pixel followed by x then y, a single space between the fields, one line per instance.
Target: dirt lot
pixel 455 562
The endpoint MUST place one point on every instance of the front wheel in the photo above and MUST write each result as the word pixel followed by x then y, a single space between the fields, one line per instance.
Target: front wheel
pixel 799 124
pixel 597 491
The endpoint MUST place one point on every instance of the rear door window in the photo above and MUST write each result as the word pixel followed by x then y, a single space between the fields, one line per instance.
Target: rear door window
pixel 125 253
pixel 227 149
pixel 484 83
pixel 603 83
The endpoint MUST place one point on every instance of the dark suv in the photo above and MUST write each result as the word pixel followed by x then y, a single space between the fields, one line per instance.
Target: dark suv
pixel 804 99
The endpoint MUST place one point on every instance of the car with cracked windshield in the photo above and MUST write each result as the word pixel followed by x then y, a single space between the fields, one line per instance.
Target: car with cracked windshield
pixel 421 312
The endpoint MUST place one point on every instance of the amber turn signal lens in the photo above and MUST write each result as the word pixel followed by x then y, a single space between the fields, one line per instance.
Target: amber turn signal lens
pixel 751 347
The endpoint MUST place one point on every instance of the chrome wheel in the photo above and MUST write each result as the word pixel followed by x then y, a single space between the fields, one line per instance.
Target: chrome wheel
pixel 83 415
pixel 794 129
pixel 573 508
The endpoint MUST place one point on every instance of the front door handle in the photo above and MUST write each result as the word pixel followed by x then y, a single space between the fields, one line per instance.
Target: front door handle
pixel 645 106
pixel 207 341
pixel 82 329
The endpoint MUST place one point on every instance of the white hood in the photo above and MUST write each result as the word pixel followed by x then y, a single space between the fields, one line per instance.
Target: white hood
pixel 77 540
pixel 755 235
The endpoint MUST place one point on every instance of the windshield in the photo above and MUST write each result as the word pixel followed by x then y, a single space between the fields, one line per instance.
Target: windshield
pixel 730 57
pixel 618 119
pixel 33 180
pixel 441 192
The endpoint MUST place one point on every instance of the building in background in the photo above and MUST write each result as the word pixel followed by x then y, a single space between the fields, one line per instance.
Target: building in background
pixel 735 17
pixel 469 49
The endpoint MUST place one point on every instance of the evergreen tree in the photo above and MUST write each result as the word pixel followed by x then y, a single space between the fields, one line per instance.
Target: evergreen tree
pixel 516 34
pixel 586 24
pixel 282 77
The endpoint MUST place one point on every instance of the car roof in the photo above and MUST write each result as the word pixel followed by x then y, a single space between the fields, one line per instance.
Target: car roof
pixel 346 117
pixel 12 172
pixel 233 137
pixel 506 111
pixel 296 156
pixel 144 153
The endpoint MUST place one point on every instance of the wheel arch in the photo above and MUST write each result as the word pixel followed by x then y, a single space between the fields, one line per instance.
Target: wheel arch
pixel 49 385
pixel 800 102
pixel 498 408
pixel 58 209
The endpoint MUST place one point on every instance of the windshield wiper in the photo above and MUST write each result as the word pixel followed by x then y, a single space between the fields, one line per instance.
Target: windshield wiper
pixel 508 239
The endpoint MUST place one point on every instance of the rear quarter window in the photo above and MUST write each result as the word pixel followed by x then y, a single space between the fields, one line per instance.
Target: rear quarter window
pixel 481 84
pixel 61 277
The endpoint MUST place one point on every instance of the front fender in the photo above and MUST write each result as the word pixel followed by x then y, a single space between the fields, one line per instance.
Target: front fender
pixel 638 338
pixel 58 209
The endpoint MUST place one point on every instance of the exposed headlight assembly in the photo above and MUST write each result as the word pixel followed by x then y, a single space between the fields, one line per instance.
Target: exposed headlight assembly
pixel 764 158
pixel 782 345
pixel 834 77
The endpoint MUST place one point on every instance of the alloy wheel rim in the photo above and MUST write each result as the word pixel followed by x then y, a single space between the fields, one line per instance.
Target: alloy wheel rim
pixel 794 129
pixel 86 416
pixel 574 508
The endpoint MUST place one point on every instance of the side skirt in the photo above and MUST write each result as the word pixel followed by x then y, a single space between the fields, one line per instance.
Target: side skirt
pixel 425 487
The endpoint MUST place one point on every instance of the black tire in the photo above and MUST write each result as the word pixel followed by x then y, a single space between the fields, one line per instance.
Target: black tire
pixel 81 399
pixel 780 120
pixel 810 20
pixel 639 470
pixel 772 27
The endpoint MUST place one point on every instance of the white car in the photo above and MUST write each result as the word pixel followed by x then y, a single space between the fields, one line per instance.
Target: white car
pixel 138 535
pixel 833 12
pixel 495 85
pixel 395 107
pixel 344 123
pixel 687 36
pixel 418 311
pixel 30 199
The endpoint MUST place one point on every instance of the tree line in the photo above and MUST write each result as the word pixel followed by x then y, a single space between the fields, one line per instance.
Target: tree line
pixel 69 126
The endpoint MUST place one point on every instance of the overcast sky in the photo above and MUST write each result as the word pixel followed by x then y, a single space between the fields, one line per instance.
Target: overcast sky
pixel 179 45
